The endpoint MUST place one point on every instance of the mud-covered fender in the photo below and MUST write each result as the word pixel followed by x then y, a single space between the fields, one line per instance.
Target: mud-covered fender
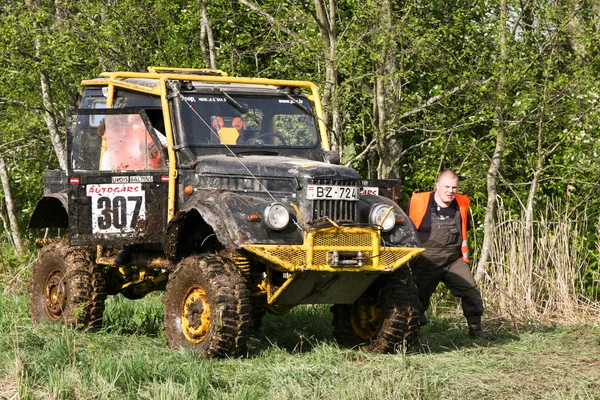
pixel 228 214
pixel 51 211
pixel 403 234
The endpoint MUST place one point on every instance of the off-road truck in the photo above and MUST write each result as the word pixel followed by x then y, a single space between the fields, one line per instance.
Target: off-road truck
pixel 223 192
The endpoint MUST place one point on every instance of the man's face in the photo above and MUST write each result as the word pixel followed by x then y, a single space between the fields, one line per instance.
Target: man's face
pixel 446 189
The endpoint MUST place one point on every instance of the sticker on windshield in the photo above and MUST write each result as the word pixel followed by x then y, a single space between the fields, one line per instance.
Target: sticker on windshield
pixel 210 99
pixel 217 122
pixel 116 208
pixel 237 123
pixel 291 101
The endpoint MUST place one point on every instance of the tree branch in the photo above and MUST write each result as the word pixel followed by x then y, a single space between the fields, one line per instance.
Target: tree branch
pixel 255 7
pixel 435 99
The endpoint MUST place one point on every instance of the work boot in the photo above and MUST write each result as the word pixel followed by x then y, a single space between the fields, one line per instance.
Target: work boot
pixel 475 330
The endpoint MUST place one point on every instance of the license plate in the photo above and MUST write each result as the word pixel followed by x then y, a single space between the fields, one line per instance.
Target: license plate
pixel 327 192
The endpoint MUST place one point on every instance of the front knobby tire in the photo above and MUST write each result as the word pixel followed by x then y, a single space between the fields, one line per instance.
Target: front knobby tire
pixel 67 286
pixel 383 319
pixel 208 308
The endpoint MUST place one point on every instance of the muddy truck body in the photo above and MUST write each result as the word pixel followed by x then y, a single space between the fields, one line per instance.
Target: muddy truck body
pixel 222 192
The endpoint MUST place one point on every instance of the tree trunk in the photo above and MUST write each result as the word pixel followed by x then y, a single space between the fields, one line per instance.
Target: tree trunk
pixel 325 18
pixel 537 173
pixel 48 112
pixel 10 208
pixel 48 115
pixel 496 160
pixel 388 146
pixel 206 32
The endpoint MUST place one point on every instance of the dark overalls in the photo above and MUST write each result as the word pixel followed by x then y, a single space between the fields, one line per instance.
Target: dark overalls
pixel 442 262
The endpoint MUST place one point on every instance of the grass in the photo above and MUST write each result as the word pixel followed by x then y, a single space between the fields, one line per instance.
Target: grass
pixel 295 358
pixel 544 323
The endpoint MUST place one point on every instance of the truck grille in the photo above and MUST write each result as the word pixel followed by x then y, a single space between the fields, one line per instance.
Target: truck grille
pixel 337 210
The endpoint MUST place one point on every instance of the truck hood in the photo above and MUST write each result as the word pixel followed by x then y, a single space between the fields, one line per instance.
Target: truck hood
pixel 272 166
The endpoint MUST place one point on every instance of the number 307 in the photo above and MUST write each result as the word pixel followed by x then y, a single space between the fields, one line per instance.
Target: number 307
pixel 119 212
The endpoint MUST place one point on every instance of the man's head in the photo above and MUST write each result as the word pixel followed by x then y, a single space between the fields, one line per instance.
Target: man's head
pixel 446 186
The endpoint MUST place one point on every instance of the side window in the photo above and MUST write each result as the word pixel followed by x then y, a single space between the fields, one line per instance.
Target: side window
pixel 87 144
pixel 127 144
pixel 115 142
pixel 96 119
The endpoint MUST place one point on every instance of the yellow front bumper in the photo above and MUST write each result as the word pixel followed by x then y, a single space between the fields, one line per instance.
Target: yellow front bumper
pixel 310 276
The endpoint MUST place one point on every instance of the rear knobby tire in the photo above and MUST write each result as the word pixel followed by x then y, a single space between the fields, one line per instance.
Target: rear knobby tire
pixel 207 308
pixel 67 286
pixel 384 319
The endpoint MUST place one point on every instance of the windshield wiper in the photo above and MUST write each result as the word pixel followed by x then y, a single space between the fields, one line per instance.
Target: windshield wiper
pixel 237 105
pixel 300 105
pixel 233 101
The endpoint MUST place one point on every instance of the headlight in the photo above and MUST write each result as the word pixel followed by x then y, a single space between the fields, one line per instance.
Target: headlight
pixel 276 216
pixel 378 212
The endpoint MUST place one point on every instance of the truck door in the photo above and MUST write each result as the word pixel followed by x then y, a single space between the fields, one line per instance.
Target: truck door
pixel 118 179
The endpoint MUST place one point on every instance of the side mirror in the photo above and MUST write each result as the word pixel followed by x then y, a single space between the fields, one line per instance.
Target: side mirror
pixel 332 157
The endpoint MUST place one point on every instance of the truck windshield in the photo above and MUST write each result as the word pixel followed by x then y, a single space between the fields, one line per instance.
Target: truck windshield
pixel 231 119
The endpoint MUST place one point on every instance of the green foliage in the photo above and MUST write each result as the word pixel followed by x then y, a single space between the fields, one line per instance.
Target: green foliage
pixel 453 83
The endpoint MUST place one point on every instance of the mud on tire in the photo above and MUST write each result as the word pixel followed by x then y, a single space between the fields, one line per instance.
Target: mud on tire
pixel 207 308
pixel 384 319
pixel 67 286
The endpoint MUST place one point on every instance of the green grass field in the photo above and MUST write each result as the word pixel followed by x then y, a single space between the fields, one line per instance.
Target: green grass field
pixel 294 358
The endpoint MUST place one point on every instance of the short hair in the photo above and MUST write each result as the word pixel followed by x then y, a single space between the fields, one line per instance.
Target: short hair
pixel 446 174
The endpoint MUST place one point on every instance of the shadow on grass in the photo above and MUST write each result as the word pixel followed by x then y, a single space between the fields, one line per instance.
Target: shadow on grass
pixel 308 326
pixel 298 331
pixel 444 334
pixel 447 327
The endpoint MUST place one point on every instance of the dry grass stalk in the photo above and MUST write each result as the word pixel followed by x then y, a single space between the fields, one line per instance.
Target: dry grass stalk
pixel 538 274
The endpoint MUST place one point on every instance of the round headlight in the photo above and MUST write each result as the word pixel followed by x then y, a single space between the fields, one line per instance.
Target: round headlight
pixel 276 216
pixel 378 212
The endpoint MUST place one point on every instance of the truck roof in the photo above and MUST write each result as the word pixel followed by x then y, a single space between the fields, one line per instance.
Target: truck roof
pixel 149 81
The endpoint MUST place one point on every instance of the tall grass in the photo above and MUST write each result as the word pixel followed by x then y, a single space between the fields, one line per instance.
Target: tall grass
pixel 295 358
pixel 540 274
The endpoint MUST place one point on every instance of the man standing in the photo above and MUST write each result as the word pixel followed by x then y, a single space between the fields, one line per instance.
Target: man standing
pixel 441 218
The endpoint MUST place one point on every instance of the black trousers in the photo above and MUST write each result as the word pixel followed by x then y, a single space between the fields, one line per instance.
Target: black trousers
pixel 458 279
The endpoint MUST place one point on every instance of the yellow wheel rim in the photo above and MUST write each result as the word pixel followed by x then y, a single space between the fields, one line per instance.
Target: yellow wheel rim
pixel 366 319
pixel 56 294
pixel 195 315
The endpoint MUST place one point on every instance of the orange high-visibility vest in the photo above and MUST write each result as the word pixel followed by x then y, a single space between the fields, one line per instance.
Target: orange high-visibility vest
pixel 419 206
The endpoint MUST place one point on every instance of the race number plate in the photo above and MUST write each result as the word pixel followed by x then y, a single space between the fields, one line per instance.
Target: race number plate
pixel 370 190
pixel 327 192
pixel 116 208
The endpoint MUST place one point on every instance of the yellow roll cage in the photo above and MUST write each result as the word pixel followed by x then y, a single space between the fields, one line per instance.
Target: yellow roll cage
pixel 114 80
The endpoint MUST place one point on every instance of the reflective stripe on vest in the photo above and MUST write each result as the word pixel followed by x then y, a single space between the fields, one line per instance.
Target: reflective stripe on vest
pixel 419 205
